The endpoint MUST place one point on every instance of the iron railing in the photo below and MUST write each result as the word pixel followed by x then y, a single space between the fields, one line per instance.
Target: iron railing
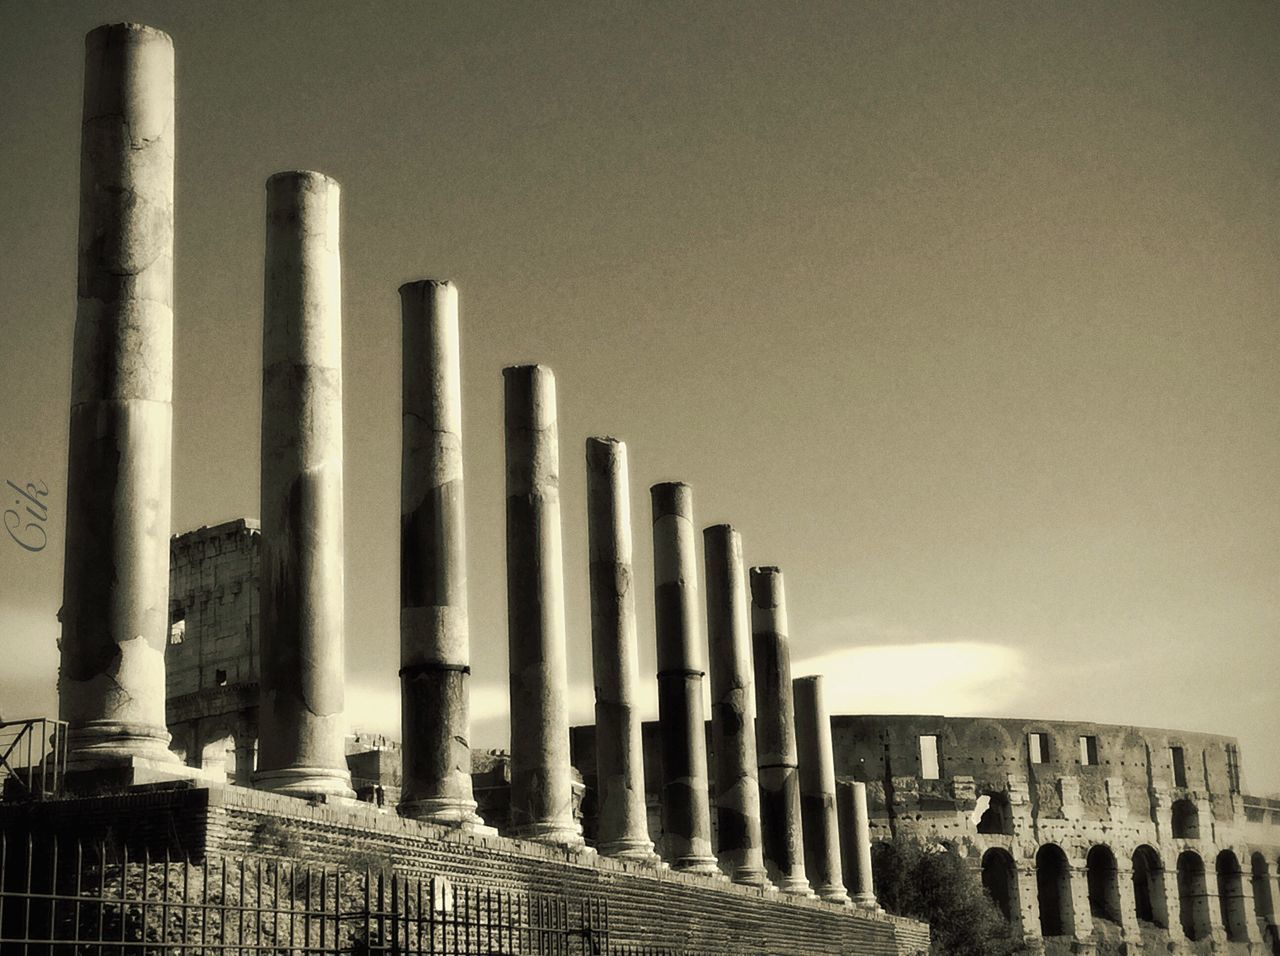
pixel 33 758
pixel 63 897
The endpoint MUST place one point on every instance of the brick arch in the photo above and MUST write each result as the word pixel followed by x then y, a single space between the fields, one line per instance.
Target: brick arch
pixel 1149 894
pixel 1193 896
pixel 1104 883
pixel 1053 891
pixel 1231 897
pixel 1000 880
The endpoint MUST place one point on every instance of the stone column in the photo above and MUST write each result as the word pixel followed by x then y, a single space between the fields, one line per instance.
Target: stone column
pixel 776 734
pixel 818 790
pixel 115 599
pixel 623 820
pixel 434 647
pixel 686 812
pixel 541 780
pixel 856 850
pixel 300 749
pixel 733 733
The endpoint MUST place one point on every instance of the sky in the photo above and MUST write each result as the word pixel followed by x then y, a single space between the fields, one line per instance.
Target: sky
pixel 963 314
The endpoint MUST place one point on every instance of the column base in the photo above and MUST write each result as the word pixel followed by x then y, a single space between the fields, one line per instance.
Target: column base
pixel 633 851
pixel 556 833
pixel 832 893
pixel 444 812
pixel 306 783
pixel 867 901
pixel 106 744
pixel 702 865
pixel 751 876
pixel 796 886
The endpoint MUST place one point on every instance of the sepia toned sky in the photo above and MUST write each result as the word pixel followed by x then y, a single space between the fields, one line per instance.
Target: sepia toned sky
pixel 967 315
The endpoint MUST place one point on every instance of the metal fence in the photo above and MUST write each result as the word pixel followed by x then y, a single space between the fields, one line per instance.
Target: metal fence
pixel 33 757
pixel 61 897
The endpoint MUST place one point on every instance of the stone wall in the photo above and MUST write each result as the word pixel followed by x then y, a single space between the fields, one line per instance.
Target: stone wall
pixel 647 906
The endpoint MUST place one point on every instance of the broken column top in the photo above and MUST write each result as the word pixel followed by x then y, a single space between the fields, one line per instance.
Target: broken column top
pixel 301 175
pixel 426 284
pixel 672 498
pixel 766 586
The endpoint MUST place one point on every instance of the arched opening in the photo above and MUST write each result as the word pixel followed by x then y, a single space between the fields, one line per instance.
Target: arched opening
pixel 998 816
pixel 1053 891
pixel 1104 884
pixel 1260 876
pixel 1000 879
pixel 1193 896
pixel 1231 897
pixel 1148 887
pixel 1186 820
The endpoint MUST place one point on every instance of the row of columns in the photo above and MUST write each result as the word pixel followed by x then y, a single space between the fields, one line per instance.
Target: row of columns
pixel 115 611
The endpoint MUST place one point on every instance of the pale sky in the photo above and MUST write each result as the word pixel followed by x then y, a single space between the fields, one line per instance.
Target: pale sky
pixel 963 314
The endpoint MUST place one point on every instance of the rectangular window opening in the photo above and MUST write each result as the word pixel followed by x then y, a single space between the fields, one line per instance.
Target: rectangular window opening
pixel 929 769
pixel 1088 751
pixel 1179 766
pixel 1233 768
pixel 1038 745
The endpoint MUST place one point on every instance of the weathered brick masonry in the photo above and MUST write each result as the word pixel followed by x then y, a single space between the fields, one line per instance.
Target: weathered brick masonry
pixel 658 908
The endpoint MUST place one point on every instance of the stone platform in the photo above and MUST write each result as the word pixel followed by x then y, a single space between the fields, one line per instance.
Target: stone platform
pixel 649 906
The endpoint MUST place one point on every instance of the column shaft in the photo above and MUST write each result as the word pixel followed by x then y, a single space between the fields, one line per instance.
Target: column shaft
pixel 115 604
pixel 686 812
pixel 818 790
pixel 300 751
pixel 434 643
pixel 541 781
pixel 623 828
pixel 776 734
pixel 857 844
pixel 733 732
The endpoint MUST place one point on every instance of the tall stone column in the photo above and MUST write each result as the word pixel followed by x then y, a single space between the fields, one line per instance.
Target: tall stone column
pixel 541 780
pixel 623 819
pixel 733 732
pixel 686 812
pixel 776 734
pixel 300 749
pixel 434 646
pixel 818 790
pixel 856 850
pixel 115 599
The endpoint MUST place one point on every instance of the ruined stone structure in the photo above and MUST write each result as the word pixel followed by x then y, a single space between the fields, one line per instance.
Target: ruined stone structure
pixel 1088 837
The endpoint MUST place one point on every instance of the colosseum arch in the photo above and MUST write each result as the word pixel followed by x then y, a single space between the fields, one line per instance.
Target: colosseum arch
pixel 1193 896
pixel 1186 820
pixel 1000 879
pixel 1148 887
pixel 1053 891
pixel 1104 883
pixel 1231 897
pixel 1260 878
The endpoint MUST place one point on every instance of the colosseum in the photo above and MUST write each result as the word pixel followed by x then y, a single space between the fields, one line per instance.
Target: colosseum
pixel 1088 837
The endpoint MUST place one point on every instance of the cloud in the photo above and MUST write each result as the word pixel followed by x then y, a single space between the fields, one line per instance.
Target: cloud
pixel 957 678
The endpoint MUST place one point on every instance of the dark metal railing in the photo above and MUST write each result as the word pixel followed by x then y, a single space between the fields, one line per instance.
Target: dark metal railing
pixel 63 897
pixel 33 757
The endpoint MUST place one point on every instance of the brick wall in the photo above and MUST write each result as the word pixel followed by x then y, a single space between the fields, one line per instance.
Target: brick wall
pixel 656 908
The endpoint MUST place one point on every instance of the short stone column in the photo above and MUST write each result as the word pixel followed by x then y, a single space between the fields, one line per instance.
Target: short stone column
pixel 115 597
pixel 435 662
pixel 623 828
pixel 818 790
pixel 686 811
pixel 733 732
pixel 776 734
pixel 855 850
pixel 541 779
pixel 300 749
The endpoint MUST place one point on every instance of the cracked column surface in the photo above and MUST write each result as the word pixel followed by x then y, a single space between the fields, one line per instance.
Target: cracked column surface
pixel 857 843
pixel 686 813
pixel 818 790
pixel 434 644
pixel 623 828
pixel 300 750
pixel 541 780
pixel 115 603
pixel 733 733
pixel 776 734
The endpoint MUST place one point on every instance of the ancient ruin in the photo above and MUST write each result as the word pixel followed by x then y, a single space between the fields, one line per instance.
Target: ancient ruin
pixel 202 681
